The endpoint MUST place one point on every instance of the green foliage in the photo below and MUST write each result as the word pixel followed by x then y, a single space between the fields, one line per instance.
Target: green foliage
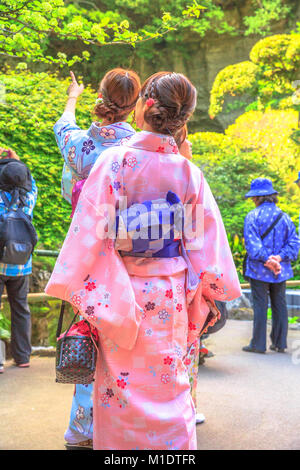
pixel 229 171
pixel 267 79
pixel 233 80
pixel 33 103
pixel 65 32
pixel 268 12
pixel 4 327
pixel 257 145
pixel 28 29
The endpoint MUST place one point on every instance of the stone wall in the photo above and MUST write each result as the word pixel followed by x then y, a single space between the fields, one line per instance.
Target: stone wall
pixel 204 58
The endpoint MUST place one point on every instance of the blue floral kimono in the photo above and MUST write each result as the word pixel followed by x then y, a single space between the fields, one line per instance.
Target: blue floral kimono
pixel 80 149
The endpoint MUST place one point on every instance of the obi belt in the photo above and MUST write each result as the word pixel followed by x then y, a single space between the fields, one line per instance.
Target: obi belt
pixel 154 229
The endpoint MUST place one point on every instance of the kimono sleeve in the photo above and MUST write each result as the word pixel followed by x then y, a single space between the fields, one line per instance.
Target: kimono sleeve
pixel 208 251
pixel 89 272
pixel 69 138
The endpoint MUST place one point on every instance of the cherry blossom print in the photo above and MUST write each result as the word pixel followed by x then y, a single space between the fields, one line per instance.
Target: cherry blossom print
pixel 180 289
pixel 72 153
pixel 216 288
pixel 149 332
pixel 90 310
pixel 76 300
pixel 169 293
pixel 90 285
pixel 165 378
pixel 67 137
pixel 115 166
pixel 117 185
pixel 131 162
pixel 104 399
pixel 179 307
pixel 164 315
pixel 88 146
pixel 168 360
pixel 108 133
pixel 150 306
pixel 121 383
pixel 192 326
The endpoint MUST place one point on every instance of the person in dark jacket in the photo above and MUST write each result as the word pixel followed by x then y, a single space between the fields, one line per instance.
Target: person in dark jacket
pixel 271 244
pixel 15 277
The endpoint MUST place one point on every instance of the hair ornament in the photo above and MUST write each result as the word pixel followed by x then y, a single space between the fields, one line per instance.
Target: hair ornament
pixel 99 100
pixel 150 102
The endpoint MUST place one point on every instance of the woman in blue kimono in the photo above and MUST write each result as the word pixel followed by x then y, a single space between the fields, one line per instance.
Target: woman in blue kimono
pixel 118 93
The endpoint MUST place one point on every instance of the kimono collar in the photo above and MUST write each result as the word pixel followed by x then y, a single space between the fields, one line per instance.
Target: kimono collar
pixel 111 132
pixel 153 142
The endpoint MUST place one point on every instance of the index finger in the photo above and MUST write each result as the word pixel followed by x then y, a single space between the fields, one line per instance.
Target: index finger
pixel 73 78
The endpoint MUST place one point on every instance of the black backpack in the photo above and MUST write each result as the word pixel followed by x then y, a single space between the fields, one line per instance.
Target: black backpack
pixel 18 236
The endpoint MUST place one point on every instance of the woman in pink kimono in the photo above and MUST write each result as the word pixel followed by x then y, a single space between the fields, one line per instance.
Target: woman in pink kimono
pixel 145 290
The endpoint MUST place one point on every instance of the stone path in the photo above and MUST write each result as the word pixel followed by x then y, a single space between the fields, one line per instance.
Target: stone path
pixel 250 401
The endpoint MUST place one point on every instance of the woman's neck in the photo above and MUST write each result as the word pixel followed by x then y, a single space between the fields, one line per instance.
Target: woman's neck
pixel 148 128
pixel 105 123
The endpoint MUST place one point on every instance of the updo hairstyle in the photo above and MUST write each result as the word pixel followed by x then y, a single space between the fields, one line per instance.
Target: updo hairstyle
pixel 119 91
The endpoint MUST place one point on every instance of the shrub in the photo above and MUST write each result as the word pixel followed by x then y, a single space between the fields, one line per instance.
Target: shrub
pixel 264 81
pixel 33 103
pixel 269 135
pixel 257 145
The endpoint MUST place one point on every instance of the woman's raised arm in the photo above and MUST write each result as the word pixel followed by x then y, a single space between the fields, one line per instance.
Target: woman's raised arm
pixel 74 91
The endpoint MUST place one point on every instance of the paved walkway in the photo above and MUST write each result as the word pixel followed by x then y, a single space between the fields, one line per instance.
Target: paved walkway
pixel 250 401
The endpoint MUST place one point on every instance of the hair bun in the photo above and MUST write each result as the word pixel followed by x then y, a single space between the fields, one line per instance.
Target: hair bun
pixel 174 101
pixel 120 90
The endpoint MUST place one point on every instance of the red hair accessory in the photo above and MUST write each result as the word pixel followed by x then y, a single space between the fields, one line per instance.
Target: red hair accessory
pixel 150 102
pixel 99 100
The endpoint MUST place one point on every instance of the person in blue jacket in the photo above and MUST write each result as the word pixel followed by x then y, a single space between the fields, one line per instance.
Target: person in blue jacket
pixel 271 243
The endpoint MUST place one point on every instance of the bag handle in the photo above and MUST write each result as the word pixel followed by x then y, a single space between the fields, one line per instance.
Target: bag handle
pixel 60 320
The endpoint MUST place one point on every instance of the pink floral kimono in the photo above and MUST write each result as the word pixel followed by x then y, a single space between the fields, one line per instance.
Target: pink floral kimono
pixel 146 316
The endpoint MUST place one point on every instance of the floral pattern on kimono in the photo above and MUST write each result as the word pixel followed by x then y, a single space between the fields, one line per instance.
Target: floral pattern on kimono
pixel 151 318
pixel 81 148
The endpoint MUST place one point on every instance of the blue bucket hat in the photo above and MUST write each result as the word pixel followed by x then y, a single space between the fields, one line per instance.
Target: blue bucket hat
pixel 297 181
pixel 261 187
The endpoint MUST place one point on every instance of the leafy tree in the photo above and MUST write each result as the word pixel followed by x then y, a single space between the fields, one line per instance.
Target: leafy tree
pixel 267 79
pixel 28 27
